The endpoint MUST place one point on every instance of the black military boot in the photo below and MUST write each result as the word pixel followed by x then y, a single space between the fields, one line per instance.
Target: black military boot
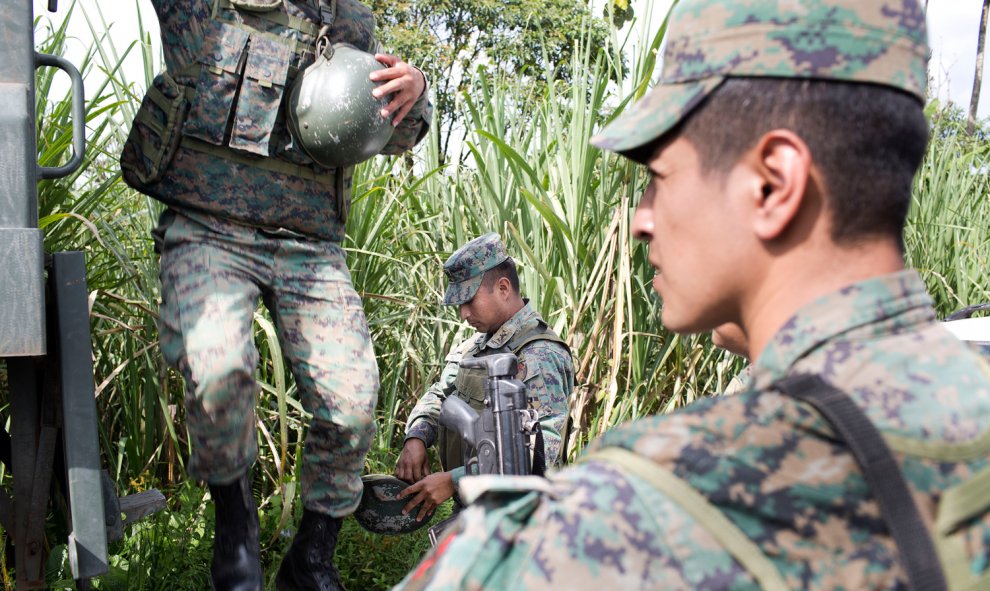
pixel 308 566
pixel 236 566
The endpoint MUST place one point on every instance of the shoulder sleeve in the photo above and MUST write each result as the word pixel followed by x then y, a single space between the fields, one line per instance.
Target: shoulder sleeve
pixel 414 127
pixel 589 527
pixel 547 371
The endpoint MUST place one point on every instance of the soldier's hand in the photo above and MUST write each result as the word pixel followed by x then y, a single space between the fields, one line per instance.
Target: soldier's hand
pixel 414 463
pixel 428 493
pixel 404 82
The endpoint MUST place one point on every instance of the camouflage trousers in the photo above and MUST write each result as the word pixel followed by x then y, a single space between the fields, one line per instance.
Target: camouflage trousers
pixel 212 278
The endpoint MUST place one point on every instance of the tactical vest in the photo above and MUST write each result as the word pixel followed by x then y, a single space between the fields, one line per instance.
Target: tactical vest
pixel 212 136
pixel 470 386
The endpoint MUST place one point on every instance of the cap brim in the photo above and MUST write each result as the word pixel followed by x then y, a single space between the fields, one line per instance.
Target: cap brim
pixel 651 118
pixel 462 292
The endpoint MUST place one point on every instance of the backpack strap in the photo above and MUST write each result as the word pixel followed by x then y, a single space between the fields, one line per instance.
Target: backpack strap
pixel 541 336
pixel 882 474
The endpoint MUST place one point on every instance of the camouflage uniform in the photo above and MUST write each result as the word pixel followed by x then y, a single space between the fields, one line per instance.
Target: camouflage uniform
pixel 252 217
pixel 758 463
pixel 756 490
pixel 544 366
pixel 544 361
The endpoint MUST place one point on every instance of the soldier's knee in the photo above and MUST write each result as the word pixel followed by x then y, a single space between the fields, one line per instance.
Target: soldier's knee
pixel 221 381
pixel 359 422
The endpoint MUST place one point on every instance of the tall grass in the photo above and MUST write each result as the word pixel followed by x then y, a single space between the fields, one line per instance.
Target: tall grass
pixel 528 172
pixel 948 234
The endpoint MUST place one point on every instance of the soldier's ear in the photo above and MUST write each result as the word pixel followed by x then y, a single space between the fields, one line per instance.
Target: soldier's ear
pixel 779 167
pixel 504 286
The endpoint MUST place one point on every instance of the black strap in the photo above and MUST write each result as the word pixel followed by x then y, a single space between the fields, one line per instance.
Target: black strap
pixel 882 474
pixel 539 454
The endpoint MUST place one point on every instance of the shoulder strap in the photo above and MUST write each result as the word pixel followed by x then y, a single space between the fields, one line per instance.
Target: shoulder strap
pixel 540 336
pixel 882 474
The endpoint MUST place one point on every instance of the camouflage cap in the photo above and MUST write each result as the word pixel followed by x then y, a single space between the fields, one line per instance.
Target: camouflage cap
pixel 869 41
pixel 380 512
pixel 466 267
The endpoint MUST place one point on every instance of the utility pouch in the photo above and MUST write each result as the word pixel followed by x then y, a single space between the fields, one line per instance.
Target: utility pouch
pixel 470 384
pixel 154 135
pixel 261 94
pixel 219 79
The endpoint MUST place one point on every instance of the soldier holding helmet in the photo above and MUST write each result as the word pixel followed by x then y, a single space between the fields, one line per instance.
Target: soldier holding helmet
pixel 255 212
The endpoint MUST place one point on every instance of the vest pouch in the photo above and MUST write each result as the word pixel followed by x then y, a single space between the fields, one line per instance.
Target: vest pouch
pixel 219 80
pixel 262 88
pixel 470 384
pixel 154 135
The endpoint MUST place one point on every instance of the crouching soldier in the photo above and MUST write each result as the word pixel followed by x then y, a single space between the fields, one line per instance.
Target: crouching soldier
pixel 483 283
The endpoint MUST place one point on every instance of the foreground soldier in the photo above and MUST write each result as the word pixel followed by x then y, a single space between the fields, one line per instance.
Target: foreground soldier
pixel 251 215
pixel 781 142
pixel 484 285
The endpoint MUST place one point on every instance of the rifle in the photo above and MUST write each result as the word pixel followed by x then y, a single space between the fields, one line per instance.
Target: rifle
pixel 496 440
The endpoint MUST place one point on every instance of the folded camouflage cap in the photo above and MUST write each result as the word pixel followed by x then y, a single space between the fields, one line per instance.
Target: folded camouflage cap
pixel 870 41
pixel 466 267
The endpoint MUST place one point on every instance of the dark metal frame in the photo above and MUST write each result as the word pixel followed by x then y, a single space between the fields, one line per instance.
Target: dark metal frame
pixel 45 340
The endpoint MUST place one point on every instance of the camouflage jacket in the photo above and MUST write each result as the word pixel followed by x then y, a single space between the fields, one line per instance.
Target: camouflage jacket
pixel 757 472
pixel 211 134
pixel 544 366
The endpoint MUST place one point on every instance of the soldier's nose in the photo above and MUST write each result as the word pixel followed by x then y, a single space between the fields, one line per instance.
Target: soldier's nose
pixel 642 221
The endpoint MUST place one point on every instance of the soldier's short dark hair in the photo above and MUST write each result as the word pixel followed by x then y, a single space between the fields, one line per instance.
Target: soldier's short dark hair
pixel 867 141
pixel 507 269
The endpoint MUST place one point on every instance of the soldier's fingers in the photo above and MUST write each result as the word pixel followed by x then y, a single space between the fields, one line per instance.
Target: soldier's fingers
pixel 410 505
pixel 402 113
pixel 387 59
pixel 426 510
pixel 408 475
pixel 416 500
pixel 411 489
pixel 396 87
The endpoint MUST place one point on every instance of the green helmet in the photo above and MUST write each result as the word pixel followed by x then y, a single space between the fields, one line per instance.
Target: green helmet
pixel 332 114
pixel 380 512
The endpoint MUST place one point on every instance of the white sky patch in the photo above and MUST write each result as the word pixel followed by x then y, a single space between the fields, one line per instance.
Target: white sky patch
pixel 953 28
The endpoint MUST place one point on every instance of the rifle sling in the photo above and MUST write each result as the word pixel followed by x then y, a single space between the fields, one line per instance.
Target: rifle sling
pixel 539 467
pixel 882 473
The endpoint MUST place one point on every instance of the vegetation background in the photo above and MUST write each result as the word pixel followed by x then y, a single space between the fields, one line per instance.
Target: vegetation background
pixel 519 93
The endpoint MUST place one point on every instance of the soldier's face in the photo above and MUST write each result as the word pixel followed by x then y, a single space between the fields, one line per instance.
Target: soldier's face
pixel 483 311
pixel 691 223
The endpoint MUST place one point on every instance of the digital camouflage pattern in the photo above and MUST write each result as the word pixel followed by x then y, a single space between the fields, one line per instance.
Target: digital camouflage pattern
pixel 210 141
pixel 212 278
pixel 769 466
pixel 872 41
pixel 380 511
pixel 211 134
pixel 466 267
pixel 753 490
pixel 544 366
